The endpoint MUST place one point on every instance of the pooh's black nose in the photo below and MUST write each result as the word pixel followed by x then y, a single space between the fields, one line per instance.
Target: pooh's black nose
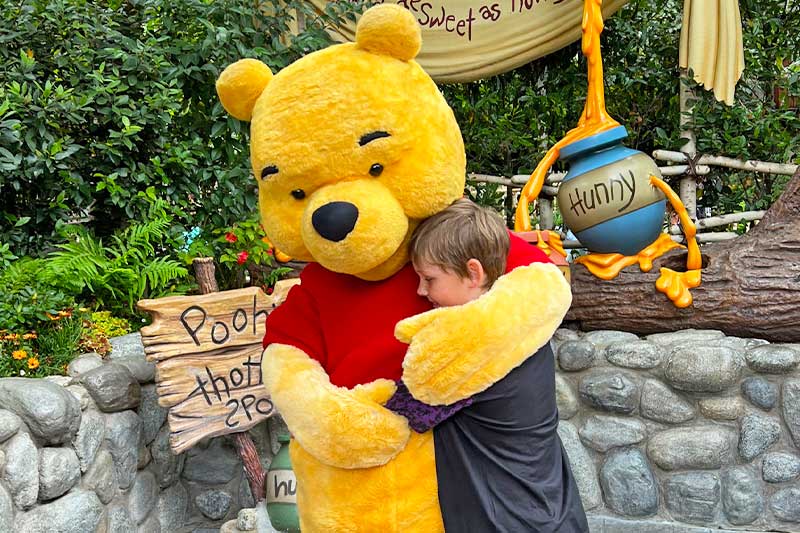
pixel 335 220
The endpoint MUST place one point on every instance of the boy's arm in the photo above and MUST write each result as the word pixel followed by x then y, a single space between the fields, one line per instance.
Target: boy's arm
pixel 421 416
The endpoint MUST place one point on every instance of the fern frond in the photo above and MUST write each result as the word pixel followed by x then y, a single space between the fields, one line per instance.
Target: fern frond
pixel 160 273
pixel 80 261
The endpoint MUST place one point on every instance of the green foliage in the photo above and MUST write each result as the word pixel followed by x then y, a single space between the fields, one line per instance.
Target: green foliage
pixel 45 351
pixel 6 256
pixel 58 344
pixel 30 295
pixel 17 356
pixel 509 121
pixel 101 100
pixel 99 328
pixel 103 322
pixel 243 256
pixel 765 122
pixel 133 266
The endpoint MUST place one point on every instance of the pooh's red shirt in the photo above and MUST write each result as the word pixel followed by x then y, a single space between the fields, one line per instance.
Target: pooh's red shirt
pixel 347 324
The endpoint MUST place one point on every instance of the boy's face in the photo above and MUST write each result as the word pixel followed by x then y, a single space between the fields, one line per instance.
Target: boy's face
pixel 444 288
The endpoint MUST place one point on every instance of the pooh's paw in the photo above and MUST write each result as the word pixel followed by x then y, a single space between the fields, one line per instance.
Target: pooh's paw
pixel 676 285
pixel 378 391
pixel 338 426
pixel 456 352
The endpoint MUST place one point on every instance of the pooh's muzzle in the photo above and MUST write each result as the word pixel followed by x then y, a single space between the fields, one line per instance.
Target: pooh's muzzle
pixel 335 220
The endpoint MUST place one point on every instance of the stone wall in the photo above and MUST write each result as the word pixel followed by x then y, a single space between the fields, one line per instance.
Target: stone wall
pixel 690 427
pixel 90 452
pixel 676 432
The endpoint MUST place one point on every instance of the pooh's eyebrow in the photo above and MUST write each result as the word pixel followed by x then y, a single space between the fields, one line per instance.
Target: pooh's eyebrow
pixel 369 137
pixel 268 171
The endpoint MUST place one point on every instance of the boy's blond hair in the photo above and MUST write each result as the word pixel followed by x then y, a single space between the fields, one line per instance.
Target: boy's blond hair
pixel 461 232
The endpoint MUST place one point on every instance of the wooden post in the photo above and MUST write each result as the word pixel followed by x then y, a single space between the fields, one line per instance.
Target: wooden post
pixel 245 447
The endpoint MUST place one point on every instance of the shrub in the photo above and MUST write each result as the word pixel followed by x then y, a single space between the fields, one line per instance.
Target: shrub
pixel 509 121
pixel 31 295
pixel 243 255
pixel 98 328
pixel 45 352
pixel 100 100
pixel 134 265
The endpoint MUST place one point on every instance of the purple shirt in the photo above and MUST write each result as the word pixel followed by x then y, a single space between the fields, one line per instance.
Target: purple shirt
pixel 421 416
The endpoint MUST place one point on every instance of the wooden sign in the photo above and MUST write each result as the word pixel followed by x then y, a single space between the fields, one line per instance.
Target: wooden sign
pixel 207 351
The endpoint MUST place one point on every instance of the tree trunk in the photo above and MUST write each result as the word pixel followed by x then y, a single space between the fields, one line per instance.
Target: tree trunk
pixel 750 288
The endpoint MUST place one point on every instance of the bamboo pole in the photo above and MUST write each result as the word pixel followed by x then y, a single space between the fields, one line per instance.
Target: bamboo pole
pixel 786 169
pixel 545 205
pixel 724 220
pixel 687 189
pixel 708 237
pixel 486 178
pixel 573 244
pixel 677 170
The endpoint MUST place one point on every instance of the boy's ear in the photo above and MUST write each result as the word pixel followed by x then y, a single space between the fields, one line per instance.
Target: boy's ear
pixel 476 273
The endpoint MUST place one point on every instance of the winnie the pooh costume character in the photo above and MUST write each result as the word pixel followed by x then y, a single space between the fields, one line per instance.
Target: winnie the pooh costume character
pixel 352 147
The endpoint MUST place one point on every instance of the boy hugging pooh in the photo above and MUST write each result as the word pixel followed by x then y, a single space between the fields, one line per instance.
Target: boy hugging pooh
pixel 353 146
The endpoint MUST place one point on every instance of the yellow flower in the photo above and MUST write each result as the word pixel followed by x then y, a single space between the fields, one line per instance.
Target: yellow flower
pixel 65 313
pixel 33 363
pixel 29 336
pixel 12 337
pixel 19 354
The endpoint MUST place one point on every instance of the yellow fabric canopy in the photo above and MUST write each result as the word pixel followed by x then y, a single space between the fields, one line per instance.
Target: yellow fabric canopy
pixel 711 45
pixel 464 40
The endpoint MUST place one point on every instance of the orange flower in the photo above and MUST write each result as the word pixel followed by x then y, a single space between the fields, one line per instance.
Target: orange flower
pixel 12 337
pixel 29 336
pixel 65 313
pixel 33 363
pixel 52 317
pixel 19 354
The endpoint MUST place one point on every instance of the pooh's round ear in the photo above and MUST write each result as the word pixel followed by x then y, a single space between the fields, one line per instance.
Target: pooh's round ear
pixel 240 85
pixel 391 30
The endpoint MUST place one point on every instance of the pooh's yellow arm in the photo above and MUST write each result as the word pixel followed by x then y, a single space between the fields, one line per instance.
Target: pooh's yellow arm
pixel 338 426
pixel 456 352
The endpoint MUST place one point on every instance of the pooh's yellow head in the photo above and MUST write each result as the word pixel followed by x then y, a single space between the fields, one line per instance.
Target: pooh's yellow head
pixel 352 146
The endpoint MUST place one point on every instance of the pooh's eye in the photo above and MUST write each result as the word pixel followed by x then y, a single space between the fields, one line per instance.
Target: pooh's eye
pixel 268 171
pixel 375 170
pixel 298 194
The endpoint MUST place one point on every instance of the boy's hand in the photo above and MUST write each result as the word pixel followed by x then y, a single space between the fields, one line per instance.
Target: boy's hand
pixel 457 352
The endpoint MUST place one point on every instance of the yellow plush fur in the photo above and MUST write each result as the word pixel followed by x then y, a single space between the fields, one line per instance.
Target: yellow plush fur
pixel 457 352
pixel 330 422
pixel 319 130
pixel 307 124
